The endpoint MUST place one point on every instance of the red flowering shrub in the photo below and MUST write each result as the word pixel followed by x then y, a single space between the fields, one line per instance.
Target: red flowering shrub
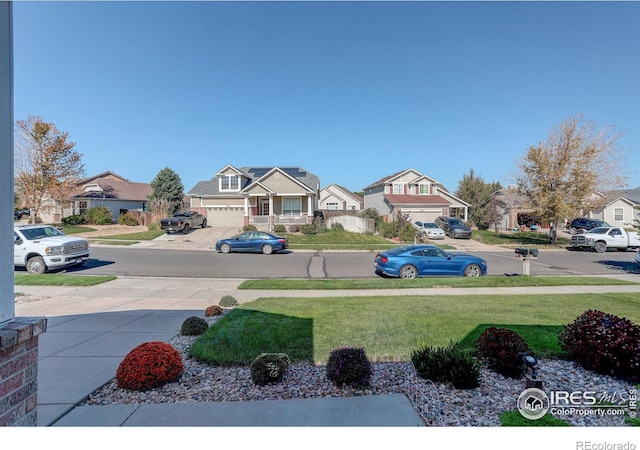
pixel 502 349
pixel 213 310
pixel 149 365
pixel 604 343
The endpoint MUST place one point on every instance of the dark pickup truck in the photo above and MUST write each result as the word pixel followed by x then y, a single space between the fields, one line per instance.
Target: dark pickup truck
pixel 183 221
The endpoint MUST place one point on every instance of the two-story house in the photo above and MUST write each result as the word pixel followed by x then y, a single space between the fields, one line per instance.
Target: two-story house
pixel 259 196
pixel 413 193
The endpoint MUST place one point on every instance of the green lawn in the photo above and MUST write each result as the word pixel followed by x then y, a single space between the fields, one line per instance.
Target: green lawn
pixel 427 282
pixel 514 239
pixel 390 328
pixel 53 279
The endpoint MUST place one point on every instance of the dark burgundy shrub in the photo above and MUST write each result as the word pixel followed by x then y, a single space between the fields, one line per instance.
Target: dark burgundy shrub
pixel 604 343
pixel 502 350
pixel 349 366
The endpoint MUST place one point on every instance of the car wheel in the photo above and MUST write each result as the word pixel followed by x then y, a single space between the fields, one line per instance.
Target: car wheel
pixel 204 224
pixel 36 265
pixel 600 247
pixel 225 248
pixel 186 229
pixel 408 272
pixel 472 270
pixel 267 249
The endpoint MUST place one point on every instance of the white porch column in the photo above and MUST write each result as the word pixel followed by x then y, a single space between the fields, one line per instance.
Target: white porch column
pixel 310 206
pixel 246 206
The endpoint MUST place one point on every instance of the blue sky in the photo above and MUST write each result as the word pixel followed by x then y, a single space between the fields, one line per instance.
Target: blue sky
pixel 351 91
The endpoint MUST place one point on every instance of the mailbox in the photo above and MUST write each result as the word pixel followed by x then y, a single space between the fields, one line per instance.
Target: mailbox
pixel 533 252
pixel 521 251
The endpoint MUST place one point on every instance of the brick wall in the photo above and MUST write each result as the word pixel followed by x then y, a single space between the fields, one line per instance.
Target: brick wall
pixel 19 370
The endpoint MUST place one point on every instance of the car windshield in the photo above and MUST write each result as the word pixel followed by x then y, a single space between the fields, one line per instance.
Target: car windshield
pixel 456 222
pixel 40 232
pixel 430 225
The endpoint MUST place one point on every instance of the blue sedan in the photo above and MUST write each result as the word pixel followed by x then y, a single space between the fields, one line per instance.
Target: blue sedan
pixel 253 241
pixel 413 261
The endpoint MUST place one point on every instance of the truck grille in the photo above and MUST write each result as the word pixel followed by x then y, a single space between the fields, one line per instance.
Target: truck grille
pixel 578 239
pixel 75 247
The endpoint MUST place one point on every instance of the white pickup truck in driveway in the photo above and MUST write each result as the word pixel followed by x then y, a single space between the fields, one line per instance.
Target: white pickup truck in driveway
pixel 602 238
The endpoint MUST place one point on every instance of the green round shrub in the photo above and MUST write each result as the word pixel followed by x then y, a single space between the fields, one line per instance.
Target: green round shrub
pixel 228 301
pixel 279 228
pixel 249 228
pixel 153 226
pixel 194 326
pixel 449 365
pixel 349 366
pixel 99 215
pixel 269 368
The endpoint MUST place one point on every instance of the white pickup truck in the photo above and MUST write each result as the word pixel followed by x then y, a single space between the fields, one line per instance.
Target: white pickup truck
pixel 40 248
pixel 602 238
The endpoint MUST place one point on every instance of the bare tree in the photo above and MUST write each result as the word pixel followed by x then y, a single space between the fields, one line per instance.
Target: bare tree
pixel 561 175
pixel 47 165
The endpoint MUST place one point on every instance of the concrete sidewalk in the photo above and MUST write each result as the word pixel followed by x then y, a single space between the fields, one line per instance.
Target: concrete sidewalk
pixel 91 329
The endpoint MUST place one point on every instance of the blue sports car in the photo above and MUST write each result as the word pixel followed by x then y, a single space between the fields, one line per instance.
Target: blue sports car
pixel 253 241
pixel 413 261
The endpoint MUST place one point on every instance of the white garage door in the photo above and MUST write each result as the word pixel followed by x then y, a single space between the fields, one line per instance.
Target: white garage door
pixel 423 216
pixel 227 216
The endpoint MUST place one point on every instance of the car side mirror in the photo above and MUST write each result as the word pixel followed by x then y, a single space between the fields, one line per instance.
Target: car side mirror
pixel 17 240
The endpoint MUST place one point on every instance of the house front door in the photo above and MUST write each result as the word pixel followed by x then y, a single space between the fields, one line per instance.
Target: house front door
pixel 264 206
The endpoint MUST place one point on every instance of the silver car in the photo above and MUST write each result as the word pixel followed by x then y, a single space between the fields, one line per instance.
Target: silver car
pixel 430 230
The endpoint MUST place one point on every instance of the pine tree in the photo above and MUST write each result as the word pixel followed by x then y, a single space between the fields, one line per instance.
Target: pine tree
pixel 168 186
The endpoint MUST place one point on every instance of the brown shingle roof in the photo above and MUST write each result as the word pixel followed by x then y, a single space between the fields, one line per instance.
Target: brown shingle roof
pixel 402 199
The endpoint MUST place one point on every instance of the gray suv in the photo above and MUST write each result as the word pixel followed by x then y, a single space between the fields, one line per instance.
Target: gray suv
pixel 453 227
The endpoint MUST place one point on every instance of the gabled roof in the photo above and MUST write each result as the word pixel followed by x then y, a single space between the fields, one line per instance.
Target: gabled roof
pixel 632 195
pixel 345 191
pixel 112 186
pixel 307 180
pixel 390 178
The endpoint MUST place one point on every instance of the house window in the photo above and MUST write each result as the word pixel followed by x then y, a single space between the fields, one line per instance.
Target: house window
pixel 291 206
pixel 398 188
pixel 332 205
pixel 618 214
pixel 229 183
pixel 423 189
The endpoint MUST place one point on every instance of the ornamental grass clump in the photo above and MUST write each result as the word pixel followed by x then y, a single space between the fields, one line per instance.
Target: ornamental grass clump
pixel 194 326
pixel 349 366
pixel 149 365
pixel 503 349
pixel 450 365
pixel 604 343
pixel 213 310
pixel 269 368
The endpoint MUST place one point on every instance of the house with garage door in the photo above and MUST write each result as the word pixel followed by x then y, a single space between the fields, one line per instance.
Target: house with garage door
pixel 259 196
pixel 413 193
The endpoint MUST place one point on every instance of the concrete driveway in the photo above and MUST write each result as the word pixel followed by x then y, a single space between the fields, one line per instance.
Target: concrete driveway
pixel 197 238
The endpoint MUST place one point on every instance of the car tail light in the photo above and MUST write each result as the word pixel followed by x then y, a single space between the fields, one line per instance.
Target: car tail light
pixel 383 259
